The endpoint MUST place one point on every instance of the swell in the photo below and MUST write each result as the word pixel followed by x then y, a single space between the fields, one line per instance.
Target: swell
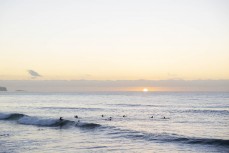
pixel 136 105
pixel 11 116
pixel 72 108
pixel 167 137
pixel 207 141
pixel 87 125
pixel 225 112
pixel 29 120
pixel 46 122
pixel 112 130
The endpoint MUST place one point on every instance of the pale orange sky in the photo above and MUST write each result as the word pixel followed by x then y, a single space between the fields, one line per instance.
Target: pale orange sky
pixel 114 40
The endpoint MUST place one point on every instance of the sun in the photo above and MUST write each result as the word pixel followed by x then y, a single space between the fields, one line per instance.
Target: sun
pixel 145 90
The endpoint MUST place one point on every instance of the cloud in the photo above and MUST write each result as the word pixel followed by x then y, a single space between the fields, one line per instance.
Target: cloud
pixel 33 74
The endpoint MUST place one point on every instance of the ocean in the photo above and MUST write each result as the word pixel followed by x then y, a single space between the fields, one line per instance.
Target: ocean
pixel 114 122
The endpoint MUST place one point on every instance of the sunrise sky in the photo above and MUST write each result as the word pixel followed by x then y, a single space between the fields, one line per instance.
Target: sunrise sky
pixel 114 39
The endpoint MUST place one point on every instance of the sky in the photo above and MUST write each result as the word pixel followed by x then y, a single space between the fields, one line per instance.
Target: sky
pixel 114 39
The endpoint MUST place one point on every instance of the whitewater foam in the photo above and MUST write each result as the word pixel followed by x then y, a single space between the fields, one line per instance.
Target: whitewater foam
pixel 38 121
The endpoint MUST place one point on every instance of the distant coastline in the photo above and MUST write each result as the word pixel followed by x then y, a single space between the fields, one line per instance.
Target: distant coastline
pixel 3 88
pixel 115 85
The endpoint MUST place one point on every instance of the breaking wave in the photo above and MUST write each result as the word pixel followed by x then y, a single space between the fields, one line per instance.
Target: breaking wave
pixel 12 116
pixel 112 131
pixel 27 120
pixel 30 120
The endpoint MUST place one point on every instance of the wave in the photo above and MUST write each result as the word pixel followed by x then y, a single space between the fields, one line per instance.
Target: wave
pixel 87 125
pixel 112 130
pixel 207 141
pixel 136 105
pixel 225 112
pixel 166 137
pixel 28 120
pixel 10 116
pixel 72 108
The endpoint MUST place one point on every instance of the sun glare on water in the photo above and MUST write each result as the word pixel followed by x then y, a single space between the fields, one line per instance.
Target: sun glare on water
pixel 145 90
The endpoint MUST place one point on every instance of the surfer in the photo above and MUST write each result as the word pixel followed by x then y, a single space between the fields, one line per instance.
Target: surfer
pixel 76 116
pixel 124 116
pixel 61 119
pixel 102 115
pixel 151 116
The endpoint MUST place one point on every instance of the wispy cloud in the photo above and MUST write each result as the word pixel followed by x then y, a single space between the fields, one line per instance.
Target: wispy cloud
pixel 34 74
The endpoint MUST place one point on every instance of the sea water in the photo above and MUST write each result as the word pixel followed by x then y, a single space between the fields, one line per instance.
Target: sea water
pixel 114 122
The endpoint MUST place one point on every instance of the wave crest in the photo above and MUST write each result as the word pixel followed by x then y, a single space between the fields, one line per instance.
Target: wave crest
pixel 87 125
pixel 11 116
pixel 166 137
pixel 27 120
